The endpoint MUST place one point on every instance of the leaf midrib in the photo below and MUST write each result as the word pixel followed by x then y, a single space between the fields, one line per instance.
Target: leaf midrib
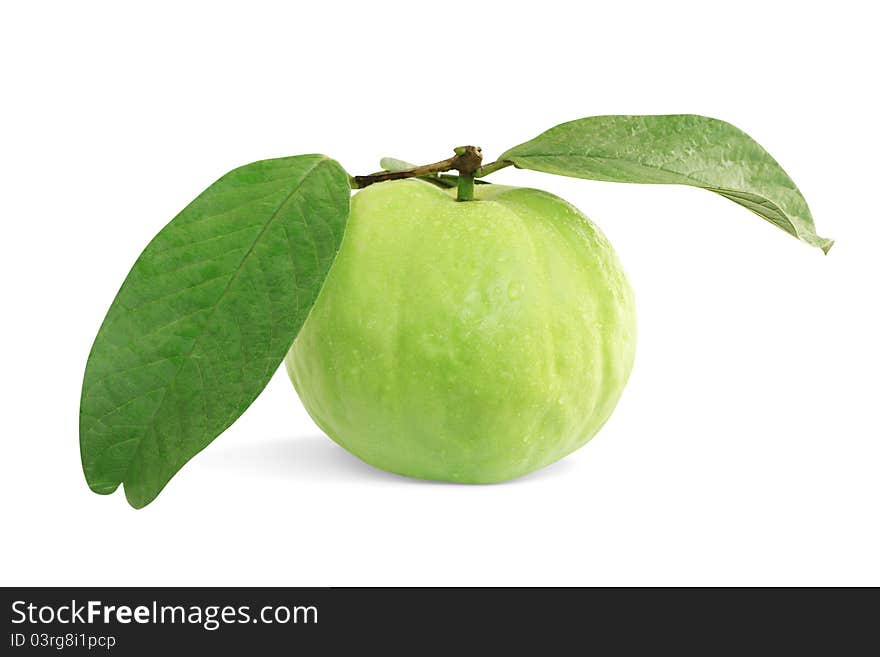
pixel 699 183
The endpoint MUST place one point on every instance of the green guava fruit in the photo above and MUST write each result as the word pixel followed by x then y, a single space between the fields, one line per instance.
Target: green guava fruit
pixel 466 341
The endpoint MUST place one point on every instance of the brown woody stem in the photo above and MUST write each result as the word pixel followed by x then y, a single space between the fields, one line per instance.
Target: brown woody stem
pixel 466 161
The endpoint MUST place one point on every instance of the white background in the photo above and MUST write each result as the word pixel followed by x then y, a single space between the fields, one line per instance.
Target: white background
pixel 746 448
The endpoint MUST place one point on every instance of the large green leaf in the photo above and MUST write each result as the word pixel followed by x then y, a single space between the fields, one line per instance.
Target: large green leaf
pixel 682 149
pixel 205 317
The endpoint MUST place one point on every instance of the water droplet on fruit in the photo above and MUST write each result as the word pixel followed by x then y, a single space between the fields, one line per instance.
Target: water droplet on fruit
pixel 514 290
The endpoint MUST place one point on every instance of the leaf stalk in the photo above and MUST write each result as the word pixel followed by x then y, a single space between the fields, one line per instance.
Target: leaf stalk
pixel 492 168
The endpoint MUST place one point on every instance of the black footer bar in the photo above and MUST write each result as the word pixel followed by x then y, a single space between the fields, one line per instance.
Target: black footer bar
pixel 148 621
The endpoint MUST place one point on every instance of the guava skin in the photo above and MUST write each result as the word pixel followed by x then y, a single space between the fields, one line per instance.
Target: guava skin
pixel 466 341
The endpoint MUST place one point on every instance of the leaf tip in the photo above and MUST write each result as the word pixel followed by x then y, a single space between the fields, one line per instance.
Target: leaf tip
pixel 137 501
pixel 103 488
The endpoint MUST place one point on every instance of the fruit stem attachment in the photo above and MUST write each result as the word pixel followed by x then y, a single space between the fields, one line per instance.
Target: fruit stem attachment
pixel 466 161
pixel 465 188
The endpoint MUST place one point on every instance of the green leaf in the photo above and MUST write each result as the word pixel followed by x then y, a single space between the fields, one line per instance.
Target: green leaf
pixel 205 317
pixel 393 164
pixel 682 149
